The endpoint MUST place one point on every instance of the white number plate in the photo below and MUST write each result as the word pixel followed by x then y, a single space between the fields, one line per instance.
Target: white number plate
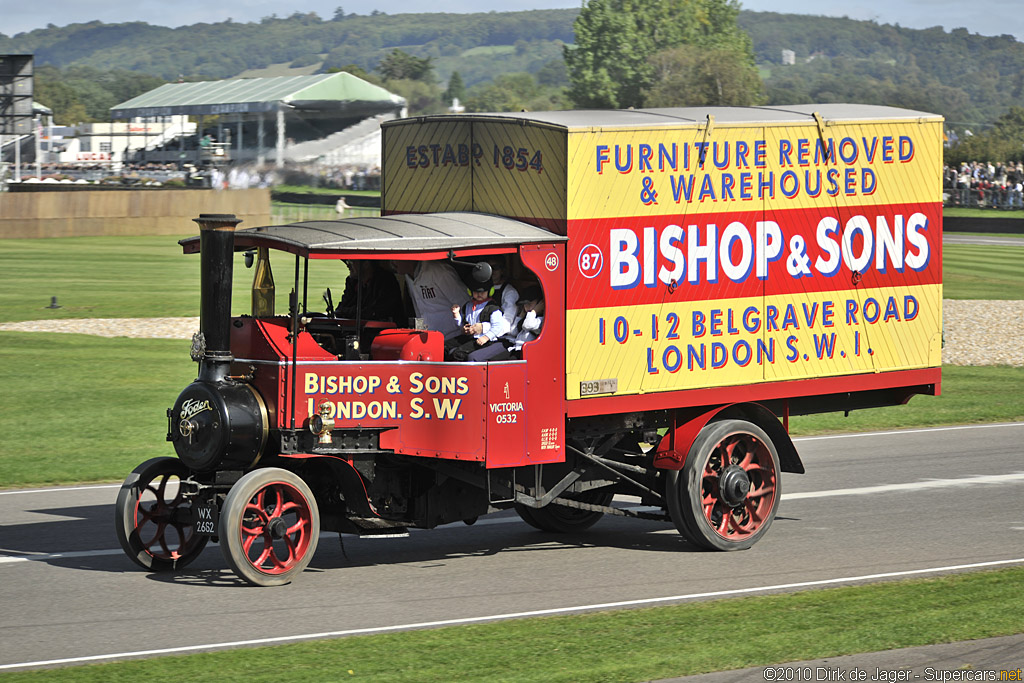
pixel 599 386
pixel 205 519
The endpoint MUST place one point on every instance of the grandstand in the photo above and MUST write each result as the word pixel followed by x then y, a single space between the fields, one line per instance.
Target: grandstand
pixel 286 118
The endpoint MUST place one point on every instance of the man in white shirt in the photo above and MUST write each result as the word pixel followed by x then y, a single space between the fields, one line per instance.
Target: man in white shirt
pixel 434 287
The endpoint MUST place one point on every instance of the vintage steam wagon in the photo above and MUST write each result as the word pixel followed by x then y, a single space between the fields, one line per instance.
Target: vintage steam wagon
pixel 706 273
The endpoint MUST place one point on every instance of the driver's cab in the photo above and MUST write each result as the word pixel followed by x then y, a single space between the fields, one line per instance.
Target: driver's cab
pixel 348 340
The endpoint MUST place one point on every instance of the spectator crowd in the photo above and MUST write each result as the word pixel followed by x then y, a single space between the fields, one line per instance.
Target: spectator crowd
pixel 984 185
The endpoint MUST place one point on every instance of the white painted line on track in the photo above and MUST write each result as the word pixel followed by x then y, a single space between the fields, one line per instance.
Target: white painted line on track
pixel 62 489
pixel 45 557
pixel 512 615
pixel 896 432
pixel 910 486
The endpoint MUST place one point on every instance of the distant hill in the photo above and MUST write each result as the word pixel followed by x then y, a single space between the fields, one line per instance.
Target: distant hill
pixel 229 48
pixel 968 78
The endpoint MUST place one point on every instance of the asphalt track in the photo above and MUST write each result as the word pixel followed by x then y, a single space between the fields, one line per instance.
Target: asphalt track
pixel 872 507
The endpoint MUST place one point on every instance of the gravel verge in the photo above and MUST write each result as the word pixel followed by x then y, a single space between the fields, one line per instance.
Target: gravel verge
pixel 983 332
pixel 138 328
pixel 975 331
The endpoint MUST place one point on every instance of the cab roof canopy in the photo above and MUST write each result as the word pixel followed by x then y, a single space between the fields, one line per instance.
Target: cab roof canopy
pixel 385 236
pixel 338 92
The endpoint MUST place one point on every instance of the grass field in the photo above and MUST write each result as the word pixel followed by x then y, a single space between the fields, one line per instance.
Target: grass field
pixel 982 272
pixel 127 277
pixel 623 645
pixel 139 277
pixel 282 213
pixel 307 189
pixel 961 212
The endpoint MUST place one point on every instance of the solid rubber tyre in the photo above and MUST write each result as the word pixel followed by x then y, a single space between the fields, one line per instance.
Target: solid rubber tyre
pixel 525 513
pixel 727 493
pixel 565 520
pixel 269 527
pixel 153 519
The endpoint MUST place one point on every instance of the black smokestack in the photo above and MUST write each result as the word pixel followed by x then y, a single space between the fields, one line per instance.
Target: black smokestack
pixel 217 246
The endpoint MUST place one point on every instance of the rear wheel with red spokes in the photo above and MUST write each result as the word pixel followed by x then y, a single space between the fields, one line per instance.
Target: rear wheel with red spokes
pixel 269 527
pixel 727 493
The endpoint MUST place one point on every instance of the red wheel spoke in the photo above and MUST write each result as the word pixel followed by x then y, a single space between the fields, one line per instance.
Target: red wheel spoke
pixel 268 552
pixel 292 552
pixel 179 496
pixel 147 515
pixel 725 452
pixel 709 470
pixel 765 490
pixel 278 502
pixel 289 506
pixel 161 539
pixel 184 533
pixel 256 509
pixel 752 509
pixel 161 493
pixel 156 502
pixel 250 537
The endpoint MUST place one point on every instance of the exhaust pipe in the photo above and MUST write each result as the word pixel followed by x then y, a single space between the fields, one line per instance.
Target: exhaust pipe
pixel 217 246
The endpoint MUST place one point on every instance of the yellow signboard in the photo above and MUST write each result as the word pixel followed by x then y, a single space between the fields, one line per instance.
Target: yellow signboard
pixel 710 247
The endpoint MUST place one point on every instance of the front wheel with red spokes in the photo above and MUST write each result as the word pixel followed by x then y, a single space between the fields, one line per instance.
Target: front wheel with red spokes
pixel 269 526
pixel 153 516
pixel 727 493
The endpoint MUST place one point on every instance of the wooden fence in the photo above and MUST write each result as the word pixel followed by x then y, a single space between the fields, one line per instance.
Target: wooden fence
pixel 124 212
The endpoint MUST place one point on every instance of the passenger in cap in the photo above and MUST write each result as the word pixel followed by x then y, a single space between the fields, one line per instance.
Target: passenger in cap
pixel 481 321
pixel 528 323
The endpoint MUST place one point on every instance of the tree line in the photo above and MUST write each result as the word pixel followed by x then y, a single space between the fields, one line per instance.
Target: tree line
pixel 609 53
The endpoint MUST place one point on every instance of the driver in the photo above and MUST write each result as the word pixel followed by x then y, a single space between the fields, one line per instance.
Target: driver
pixel 371 293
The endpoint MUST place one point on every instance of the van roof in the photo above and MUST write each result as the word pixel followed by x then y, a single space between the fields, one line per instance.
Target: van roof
pixel 684 116
pixel 378 235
